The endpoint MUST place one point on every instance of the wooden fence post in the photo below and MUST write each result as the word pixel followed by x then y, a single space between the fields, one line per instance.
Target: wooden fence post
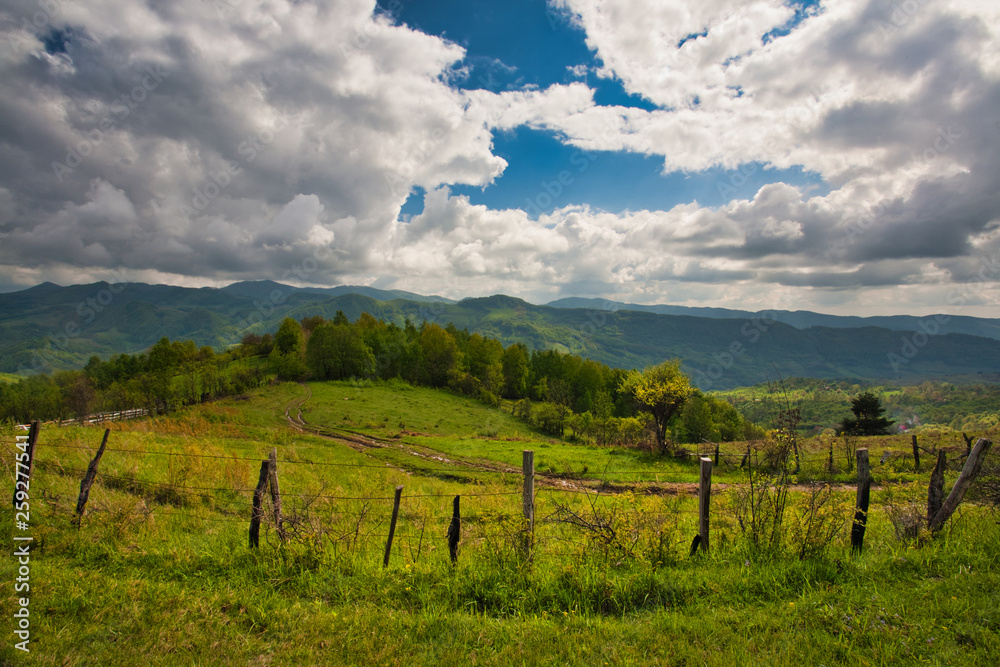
pixel 935 490
pixel 694 546
pixel 257 497
pixel 26 467
pixel 864 496
pixel 716 454
pixel 528 498
pixel 969 473
pixel 88 480
pixel 454 531
pixel 704 495
pixel 392 525
pixel 272 478
pixel 916 453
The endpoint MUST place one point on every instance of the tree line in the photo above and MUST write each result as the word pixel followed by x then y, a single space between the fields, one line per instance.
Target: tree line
pixel 169 374
pixel 554 391
pixel 559 393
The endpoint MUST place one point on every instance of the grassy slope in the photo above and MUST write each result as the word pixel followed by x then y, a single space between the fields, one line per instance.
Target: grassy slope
pixel 160 578
pixel 465 429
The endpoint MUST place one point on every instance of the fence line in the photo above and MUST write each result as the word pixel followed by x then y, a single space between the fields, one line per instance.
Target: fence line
pixel 97 418
pixel 555 475
pixel 43 468
pixel 139 482
pixel 268 478
pixel 286 461
pixel 589 473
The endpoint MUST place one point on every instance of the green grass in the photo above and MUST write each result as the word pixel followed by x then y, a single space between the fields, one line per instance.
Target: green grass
pixel 458 427
pixel 164 577
pixel 462 428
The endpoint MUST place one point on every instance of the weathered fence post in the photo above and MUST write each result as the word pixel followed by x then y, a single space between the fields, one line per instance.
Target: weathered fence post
pixel 392 525
pixel 716 454
pixel 864 496
pixel 969 473
pixel 694 546
pixel 704 495
pixel 26 467
pixel 454 531
pixel 935 490
pixel 88 480
pixel 916 453
pixel 528 499
pixel 272 478
pixel 258 495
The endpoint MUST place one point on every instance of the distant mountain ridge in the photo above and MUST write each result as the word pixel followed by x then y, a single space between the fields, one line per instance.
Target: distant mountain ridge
pixel 263 288
pixel 50 327
pixel 803 319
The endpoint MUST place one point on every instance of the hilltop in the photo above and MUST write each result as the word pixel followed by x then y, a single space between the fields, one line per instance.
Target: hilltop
pixel 50 327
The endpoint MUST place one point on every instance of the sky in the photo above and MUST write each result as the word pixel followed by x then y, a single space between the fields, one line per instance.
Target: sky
pixel 832 156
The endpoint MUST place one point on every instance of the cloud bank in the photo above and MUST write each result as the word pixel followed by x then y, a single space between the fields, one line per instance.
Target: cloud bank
pixel 205 142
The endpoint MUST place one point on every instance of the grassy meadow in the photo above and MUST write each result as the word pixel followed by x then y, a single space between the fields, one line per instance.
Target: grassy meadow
pixel 160 573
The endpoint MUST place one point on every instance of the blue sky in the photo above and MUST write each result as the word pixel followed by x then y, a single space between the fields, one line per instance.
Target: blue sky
pixel 829 156
pixel 606 180
pixel 528 43
pixel 508 45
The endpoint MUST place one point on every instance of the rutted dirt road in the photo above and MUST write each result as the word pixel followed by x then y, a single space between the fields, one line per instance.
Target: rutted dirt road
pixel 364 444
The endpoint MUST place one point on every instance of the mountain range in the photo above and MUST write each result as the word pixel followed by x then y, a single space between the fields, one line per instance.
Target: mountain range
pixel 50 327
pixel 803 319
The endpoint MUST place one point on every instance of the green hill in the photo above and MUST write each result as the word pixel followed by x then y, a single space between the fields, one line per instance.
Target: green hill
pixel 50 327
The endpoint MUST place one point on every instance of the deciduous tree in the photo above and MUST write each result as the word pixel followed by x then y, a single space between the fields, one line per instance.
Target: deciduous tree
pixel 440 355
pixel 515 371
pixel 661 391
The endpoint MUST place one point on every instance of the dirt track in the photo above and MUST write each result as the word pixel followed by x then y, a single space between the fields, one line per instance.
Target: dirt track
pixel 363 444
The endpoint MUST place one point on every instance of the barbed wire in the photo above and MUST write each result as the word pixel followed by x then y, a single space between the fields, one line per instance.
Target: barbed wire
pixel 154 513
pixel 131 484
pixel 41 467
pixel 409 530
pixel 284 461
pixel 232 457
pixel 587 475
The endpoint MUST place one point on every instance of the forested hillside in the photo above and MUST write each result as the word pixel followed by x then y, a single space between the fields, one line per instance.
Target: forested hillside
pixel 803 319
pixel 52 328
pixel 559 394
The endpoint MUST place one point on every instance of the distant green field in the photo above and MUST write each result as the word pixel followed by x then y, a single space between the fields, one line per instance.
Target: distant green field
pixel 9 377
pixel 932 406
pixel 160 572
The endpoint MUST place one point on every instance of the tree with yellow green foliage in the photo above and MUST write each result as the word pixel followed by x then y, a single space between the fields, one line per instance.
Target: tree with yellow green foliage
pixel 661 391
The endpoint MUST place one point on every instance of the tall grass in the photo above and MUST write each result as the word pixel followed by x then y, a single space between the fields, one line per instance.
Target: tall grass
pixel 166 577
